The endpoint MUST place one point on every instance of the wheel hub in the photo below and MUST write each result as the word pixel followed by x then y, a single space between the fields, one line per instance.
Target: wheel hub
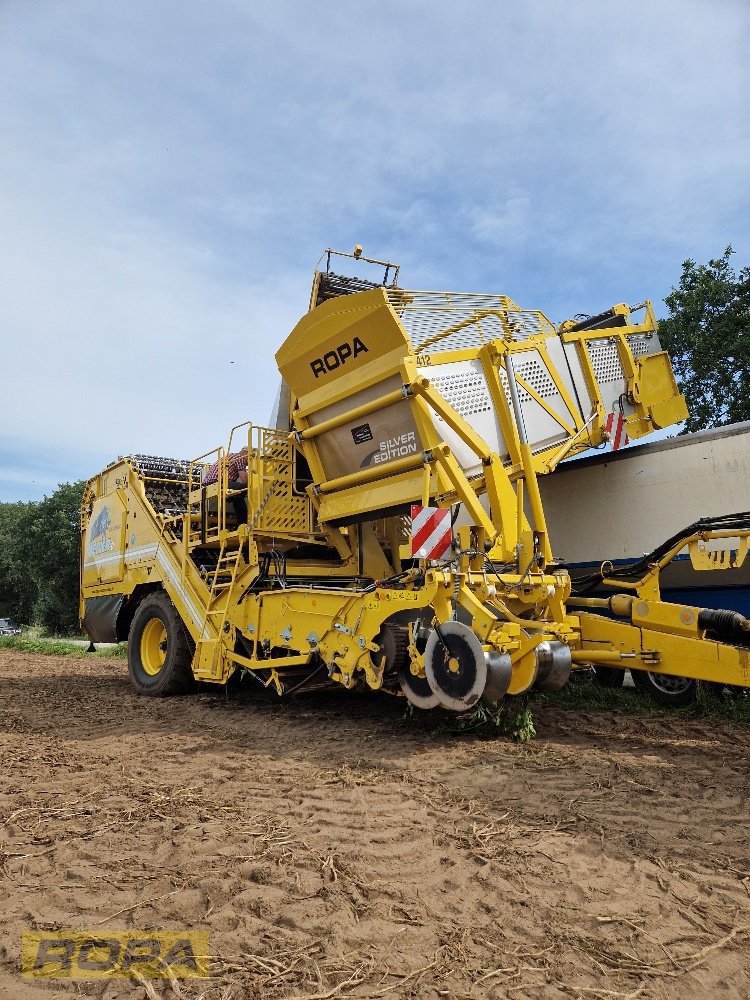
pixel 154 646
pixel 670 683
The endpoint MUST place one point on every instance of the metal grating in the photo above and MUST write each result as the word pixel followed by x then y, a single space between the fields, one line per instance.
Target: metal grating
pixel 284 512
pixel 605 360
pixel 332 285
pixel 466 392
pixel 454 321
pixel 528 323
pixel 275 504
pixel 640 345
pixel 165 481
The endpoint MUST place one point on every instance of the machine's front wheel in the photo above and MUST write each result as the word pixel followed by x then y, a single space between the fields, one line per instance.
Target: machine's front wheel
pixel 159 649
pixel 609 677
pixel 666 689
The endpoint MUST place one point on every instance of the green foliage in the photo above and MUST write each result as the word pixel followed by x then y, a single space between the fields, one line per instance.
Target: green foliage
pixel 584 693
pixel 707 335
pixel 39 559
pixel 58 647
pixel 512 717
pixel 17 589
pixel 55 543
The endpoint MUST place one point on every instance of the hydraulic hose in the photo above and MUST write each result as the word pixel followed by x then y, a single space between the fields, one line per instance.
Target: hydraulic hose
pixel 635 570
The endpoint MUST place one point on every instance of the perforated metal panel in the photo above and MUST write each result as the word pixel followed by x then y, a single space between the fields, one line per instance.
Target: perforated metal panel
pixel 605 360
pixel 643 345
pixel 523 396
pixel 466 392
pixel 533 373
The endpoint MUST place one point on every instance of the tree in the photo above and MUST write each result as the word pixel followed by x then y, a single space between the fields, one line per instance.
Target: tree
pixel 54 555
pixel 707 335
pixel 39 559
pixel 17 589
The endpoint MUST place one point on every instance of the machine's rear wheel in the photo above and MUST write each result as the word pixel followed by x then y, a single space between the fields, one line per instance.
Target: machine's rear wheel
pixel 159 649
pixel 666 689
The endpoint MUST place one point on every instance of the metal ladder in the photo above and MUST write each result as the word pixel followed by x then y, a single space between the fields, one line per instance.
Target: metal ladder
pixel 222 580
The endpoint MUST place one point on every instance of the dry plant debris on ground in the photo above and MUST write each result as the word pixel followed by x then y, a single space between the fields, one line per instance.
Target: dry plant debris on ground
pixel 334 848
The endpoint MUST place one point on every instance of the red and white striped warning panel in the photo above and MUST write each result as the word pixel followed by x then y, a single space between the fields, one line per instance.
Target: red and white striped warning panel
pixel 616 430
pixel 431 533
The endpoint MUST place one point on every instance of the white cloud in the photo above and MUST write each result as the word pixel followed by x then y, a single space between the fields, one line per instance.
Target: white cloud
pixel 504 224
pixel 169 173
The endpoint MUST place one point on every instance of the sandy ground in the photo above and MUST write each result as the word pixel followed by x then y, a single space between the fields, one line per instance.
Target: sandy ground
pixel 334 848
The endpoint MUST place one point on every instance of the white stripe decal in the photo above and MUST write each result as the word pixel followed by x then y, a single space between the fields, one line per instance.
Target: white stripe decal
pixel 103 560
pixel 131 555
pixel 169 571
pixel 163 559
pixel 441 534
pixel 142 552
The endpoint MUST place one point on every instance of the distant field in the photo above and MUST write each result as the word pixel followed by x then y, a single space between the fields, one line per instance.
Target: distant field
pixel 59 647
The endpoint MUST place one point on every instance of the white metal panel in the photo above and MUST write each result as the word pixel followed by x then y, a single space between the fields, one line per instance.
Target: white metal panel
pixel 542 430
pixel 463 385
pixel 623 505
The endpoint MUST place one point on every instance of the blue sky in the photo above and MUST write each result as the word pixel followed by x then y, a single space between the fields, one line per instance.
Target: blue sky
pixel 171 171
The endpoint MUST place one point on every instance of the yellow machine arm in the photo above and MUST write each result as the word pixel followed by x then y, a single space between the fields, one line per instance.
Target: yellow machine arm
pixel 406 397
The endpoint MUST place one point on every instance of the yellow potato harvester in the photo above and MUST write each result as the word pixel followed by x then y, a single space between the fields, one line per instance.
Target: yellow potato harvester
pixel 394 535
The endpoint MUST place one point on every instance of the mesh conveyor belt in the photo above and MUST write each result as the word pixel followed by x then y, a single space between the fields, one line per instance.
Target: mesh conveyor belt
pixel 333 285
pixel 428 317
pixel 165 480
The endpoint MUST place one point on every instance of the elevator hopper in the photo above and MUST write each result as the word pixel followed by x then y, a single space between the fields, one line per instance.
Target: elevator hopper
pixel 402 397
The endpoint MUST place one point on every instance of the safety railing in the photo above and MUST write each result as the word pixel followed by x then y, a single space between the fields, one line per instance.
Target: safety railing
pixel 277 503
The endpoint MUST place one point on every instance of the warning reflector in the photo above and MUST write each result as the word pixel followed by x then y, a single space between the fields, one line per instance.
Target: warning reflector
pixel 431 533
pixel 616 430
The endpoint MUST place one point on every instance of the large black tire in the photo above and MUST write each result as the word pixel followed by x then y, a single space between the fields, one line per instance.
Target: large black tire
pixel 159 649
pixel 609 677
pixel 666 689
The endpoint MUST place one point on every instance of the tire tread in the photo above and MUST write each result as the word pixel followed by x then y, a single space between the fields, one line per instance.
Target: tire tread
pixel 178 677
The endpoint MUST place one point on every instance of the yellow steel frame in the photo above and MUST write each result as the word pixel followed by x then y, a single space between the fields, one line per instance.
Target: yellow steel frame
pixel 277 627
pixel 661 635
